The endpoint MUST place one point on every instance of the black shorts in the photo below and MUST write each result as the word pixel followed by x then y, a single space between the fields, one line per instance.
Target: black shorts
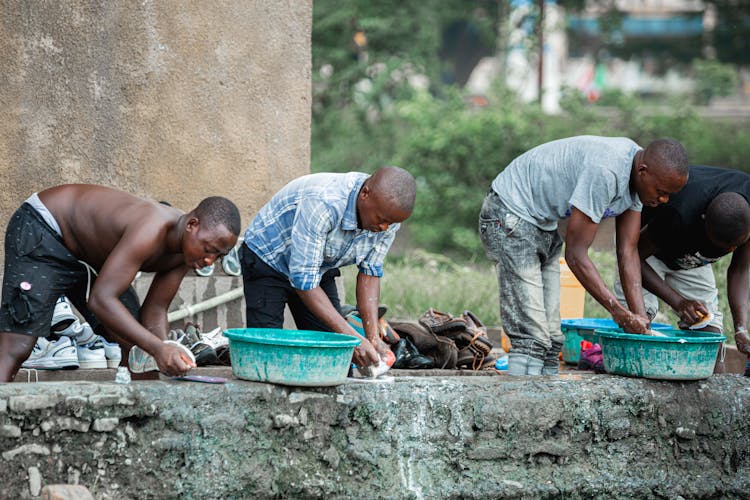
pixel 38 270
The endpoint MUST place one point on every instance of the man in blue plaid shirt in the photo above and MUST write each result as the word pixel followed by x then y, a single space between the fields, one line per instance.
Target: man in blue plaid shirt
pixel 296 244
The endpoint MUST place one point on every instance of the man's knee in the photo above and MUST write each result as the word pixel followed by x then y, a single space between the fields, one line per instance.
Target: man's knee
pixel 14 350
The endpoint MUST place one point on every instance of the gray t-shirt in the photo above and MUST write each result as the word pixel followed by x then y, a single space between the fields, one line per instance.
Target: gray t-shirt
pixel 588 172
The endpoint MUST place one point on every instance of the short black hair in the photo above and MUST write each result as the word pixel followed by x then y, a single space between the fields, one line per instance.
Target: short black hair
pixel 669 154
pixel 217 210
pixel 397 186
pixel 728 218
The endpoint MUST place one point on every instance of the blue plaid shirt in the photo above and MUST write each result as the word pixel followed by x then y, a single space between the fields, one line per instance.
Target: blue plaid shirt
pixel 310 226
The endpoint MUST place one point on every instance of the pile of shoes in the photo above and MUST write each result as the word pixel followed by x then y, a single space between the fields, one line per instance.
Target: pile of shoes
pixel 209 348
pixel 406 354
pixel 230 264
pixel 468 333
pixel 433 351
pixel 450 341
pixel 72 344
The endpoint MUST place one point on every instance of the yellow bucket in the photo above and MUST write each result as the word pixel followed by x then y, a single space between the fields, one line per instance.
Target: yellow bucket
pixel 572 293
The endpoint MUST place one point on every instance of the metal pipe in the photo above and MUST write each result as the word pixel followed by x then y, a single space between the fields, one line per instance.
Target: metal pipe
pixel 190 310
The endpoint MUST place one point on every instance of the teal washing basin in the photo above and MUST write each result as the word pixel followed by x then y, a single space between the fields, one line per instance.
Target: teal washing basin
pixel 290 357
pixel 577 329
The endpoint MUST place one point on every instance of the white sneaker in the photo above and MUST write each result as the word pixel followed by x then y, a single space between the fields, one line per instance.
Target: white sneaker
pixel 92 355
pixel 230 263
pixel 63 316
pixel 82 333
pixel 53 355
pixel 215 338
pixel 139 361
pixel 112 352
pixel 206 271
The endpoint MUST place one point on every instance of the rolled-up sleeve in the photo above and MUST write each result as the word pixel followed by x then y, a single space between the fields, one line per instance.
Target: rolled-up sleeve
pixel 372 264
pixel 312 223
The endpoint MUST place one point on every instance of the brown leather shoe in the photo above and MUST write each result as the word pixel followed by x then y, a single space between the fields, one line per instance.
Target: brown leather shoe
pixel 441 323
pixel 441 350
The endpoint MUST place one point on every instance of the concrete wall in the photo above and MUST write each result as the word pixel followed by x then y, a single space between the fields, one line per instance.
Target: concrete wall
pixel 583 436
pixel 173 100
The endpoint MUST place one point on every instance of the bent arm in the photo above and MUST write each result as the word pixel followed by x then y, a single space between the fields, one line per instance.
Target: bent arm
pixel 580 234
pixel 160 295
pixel 737 285
pixel 368 297
pixel 115 277
pixel 321 307
pixel 628 229
pixel 318 303
pixel 689 311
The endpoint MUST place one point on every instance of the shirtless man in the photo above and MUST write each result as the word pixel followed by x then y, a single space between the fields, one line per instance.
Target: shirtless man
pixel 88 242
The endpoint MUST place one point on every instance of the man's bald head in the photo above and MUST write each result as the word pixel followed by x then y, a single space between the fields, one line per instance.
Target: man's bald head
pixel 394 185
pixel 386 197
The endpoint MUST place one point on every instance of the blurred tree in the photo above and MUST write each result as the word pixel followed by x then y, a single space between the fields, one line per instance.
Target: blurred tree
pixel 731 37
pixel 713 79
pixel 354 40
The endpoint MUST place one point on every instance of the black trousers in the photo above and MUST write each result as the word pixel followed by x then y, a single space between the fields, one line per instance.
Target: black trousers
pixel 267 291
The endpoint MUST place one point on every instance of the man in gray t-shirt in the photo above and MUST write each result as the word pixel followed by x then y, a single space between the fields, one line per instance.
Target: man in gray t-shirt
pixel 584 179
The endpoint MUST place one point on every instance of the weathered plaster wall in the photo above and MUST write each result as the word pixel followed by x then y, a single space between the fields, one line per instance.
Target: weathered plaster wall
pixel 448 437
pixel 173 100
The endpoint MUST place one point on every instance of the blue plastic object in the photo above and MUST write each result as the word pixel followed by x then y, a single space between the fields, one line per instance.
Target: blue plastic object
pixel 679 355
pixel 290 357
pixel 502 363
pixel 575 330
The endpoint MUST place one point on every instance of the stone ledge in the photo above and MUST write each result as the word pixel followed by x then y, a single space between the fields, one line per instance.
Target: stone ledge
pixel 480 436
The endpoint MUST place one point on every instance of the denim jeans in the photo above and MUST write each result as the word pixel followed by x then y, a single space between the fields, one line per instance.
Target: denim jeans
pixel 527 261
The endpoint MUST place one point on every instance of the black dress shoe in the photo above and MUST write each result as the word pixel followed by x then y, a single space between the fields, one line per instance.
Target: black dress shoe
pixel 408 357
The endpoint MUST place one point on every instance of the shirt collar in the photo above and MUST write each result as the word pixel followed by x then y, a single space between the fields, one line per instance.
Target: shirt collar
pixel 349 221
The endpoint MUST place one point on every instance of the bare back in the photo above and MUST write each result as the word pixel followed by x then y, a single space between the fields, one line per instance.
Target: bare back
pixel 94 220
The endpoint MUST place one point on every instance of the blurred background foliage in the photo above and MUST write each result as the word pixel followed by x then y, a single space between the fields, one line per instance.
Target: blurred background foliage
pixel 392 99
pixel 388 88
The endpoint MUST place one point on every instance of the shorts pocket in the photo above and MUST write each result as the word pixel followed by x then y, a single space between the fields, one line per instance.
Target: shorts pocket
pixel 19 308
pixel 27 238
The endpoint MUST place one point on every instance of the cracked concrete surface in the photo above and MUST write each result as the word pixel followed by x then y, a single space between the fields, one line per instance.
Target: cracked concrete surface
pixel 577 436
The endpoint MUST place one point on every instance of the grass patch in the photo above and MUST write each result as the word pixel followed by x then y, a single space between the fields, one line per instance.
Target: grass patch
pixel 419 280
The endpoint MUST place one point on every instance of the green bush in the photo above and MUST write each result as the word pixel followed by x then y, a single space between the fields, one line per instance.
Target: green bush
pixel 455 149
pixel 713 79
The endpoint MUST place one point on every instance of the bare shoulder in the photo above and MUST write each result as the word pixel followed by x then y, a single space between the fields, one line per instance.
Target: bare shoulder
pixel 91 202
pixel 96 219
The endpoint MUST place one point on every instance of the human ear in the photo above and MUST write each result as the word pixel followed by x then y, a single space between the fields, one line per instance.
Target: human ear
pixel 193 224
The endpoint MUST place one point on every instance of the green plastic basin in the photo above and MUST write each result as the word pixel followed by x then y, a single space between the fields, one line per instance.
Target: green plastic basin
pixel 290 357
pixel 680 355
pixel 576 329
